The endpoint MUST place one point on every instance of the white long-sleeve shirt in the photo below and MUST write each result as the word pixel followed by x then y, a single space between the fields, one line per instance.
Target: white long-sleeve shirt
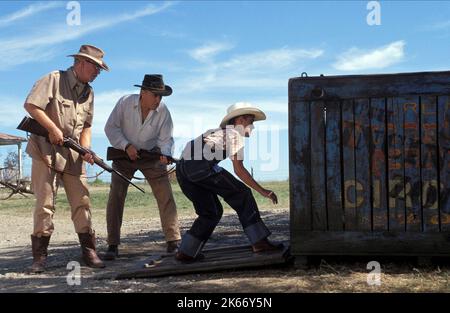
pixel 125 126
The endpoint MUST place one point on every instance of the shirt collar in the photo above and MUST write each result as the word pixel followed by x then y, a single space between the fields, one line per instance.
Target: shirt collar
pixel 138 102
pixel 73 80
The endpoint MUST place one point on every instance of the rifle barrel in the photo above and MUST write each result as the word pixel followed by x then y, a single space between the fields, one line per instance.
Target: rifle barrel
pixel 127 180
pixel 32 126
pixel 74 145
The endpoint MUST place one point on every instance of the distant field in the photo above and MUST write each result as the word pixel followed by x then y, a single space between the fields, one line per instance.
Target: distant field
pixel 137 201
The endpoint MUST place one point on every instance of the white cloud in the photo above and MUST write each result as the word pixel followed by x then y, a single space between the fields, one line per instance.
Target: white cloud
pixel 258 70
pixel 437 26
pixel 28 12
pixel 156 65
pixel 357 60
pixel 195 116
pixel 206 52
pixel 192 117
pixel 276 59
pixel 35 47
pixel 220 80
pixel 273 105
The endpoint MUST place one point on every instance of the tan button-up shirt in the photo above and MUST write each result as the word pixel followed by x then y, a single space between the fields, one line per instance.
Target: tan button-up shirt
pixel 70 105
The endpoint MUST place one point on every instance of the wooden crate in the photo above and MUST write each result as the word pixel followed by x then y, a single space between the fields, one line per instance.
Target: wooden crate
pixel 370 164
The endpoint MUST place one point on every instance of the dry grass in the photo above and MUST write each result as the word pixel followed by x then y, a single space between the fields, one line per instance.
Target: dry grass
pixel 142 237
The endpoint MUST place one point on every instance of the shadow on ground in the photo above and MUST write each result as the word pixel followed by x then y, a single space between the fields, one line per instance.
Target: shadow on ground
pixel 323 274
pixel 135 249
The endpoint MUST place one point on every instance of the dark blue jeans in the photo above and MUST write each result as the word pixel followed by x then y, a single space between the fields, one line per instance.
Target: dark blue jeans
pixel 204 196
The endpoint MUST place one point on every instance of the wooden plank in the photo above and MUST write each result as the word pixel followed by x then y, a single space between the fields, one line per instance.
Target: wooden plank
pixel 362 165
pixel 222 260
pixel 156 260
pixel 333 164
pixel 372 86
pixel 233 248
pixel 429 161
pixel 318 182
pixel 348 146
pixel 373 243
pixel 413 184
pixel 299 165
pixel 444 160
pixel 396 184
pixel 379 164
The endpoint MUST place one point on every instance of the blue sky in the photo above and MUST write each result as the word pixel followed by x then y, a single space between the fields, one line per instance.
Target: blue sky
pixel 214 54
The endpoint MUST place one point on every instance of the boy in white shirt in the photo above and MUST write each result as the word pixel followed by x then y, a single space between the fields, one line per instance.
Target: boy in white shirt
pixel 202 180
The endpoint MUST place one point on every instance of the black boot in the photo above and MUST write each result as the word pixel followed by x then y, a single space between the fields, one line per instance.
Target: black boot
pixel 265 245
pixel 180 256
pixel 112 253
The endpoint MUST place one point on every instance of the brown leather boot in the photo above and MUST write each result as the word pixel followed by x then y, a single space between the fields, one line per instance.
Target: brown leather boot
pixel 265 245
pixel 90 257
pixel 39 247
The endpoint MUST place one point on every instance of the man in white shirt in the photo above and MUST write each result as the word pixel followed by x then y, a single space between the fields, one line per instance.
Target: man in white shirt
pixel 142 122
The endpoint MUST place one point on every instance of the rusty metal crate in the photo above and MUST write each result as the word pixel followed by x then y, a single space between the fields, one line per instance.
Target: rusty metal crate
pixel 370 164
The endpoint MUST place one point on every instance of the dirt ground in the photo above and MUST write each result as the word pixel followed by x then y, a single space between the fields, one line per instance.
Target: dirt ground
pixel 142 238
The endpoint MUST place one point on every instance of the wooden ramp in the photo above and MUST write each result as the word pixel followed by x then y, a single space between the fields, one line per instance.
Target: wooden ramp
pixel 216 259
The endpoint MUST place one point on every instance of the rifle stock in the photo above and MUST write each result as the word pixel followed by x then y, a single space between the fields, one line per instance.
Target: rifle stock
pixel 32 126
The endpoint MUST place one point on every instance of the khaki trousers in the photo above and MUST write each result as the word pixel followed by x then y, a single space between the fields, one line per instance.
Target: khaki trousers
pixel 43 181
pixel 154 172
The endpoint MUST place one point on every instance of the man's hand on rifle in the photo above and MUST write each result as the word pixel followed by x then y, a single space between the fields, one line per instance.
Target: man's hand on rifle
pixel 88 157
pixel 55 136
pixel 164 160
pixel 133 154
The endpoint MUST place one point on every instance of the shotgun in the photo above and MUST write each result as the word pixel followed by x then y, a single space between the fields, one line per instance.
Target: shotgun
pixel 32 126
pixel 117 154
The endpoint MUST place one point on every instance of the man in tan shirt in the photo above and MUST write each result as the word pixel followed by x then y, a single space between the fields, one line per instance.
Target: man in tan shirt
pixel 62 102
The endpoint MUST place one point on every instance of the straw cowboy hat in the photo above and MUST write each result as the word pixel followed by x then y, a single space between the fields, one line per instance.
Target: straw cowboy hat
pixel 155 83
pixel 92 53
pixel 242 108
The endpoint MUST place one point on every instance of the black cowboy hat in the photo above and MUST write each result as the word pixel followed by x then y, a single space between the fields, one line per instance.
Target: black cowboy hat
pixel 155 83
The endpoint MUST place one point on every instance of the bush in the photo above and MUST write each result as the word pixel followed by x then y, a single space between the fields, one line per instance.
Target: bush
pixel 97 182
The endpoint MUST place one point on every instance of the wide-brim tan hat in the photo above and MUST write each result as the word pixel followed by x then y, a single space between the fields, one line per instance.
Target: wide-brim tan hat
pixel 242 108
pixel 92 53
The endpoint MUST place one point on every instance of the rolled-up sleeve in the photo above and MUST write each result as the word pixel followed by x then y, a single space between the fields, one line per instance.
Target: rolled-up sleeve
pixel 113 127
pixel 42 92
pixel 165 137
